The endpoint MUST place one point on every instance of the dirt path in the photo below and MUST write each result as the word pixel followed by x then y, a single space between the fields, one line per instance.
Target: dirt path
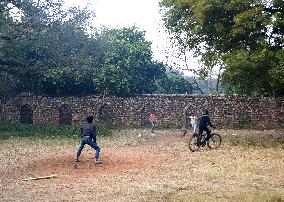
pixel 115 159
pixel 60 161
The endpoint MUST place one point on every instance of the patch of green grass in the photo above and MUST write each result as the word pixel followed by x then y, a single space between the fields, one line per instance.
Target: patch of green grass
pixel 255 141
pixel 48 131
pixel 104 131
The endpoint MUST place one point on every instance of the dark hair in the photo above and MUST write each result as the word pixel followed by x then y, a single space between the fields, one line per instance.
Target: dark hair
pixel 206 112
pixel 90 119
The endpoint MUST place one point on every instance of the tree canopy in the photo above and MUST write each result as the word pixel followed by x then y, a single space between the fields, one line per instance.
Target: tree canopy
pixel 127 64
pixel 40 39
pixel 244 37
pixel 48 49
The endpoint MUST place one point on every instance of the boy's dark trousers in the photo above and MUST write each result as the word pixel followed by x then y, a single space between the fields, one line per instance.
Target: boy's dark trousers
pixel 202 128
pixel 88 140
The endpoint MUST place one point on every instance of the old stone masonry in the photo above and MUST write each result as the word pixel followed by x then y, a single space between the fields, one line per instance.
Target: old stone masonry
pixel 172 110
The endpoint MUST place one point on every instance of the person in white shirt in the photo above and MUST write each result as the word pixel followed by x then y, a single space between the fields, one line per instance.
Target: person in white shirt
pixel 193 121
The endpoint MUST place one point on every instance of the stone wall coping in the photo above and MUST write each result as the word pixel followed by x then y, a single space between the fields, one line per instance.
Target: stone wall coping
pixel 153 95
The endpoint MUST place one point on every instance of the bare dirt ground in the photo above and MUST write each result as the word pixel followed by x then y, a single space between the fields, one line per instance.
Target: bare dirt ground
pixel 147 168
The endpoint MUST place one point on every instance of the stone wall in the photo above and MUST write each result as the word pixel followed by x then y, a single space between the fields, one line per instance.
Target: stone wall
pixel 172 110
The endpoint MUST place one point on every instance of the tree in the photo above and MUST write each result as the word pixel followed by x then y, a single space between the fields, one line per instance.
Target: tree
pixel 127 65
pixel 245 35
pixel 45 49
pixel 67 81
pixel 47 39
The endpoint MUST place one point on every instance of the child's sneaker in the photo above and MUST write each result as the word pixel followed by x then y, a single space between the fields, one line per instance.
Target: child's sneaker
pixel 98 162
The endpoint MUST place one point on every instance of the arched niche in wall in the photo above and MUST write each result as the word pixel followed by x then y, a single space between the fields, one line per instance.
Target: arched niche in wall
pixel 145 113
pixel 65 114
pixel 105 115
pixel 26 114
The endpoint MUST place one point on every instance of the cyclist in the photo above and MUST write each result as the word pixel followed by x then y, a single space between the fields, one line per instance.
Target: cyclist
pixel 204 121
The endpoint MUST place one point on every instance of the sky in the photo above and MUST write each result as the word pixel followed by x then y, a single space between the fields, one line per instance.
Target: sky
pixel 145 15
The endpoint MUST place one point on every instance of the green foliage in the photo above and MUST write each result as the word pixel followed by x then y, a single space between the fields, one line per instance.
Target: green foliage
pixel 231 30
pixel 128 67
pixel 46 39
pixel 9 84
pixel 277 73
pixel 250 75
pixel 45 49
pixel 67 81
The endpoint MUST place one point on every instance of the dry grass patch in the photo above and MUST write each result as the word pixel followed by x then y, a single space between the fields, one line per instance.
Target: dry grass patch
pixel 146 168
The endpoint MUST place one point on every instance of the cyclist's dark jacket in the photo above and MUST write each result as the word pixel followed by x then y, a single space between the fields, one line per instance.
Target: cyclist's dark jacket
pixel 88 130
pixel 204 121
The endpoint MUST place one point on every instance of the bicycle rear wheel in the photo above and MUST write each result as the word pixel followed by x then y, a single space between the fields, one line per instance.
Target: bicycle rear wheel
pixel 215 141
pixel 193 143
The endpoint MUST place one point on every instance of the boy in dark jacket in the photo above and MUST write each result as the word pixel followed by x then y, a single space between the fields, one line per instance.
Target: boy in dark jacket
pixel 204 121
pixel 88 136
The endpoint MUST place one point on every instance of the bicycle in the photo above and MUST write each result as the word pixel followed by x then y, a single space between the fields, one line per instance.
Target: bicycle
pixel 198 140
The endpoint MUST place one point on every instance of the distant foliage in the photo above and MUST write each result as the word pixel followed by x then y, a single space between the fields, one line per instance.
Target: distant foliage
pixel 174 83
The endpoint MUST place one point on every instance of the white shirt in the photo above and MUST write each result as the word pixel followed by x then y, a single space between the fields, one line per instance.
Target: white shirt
pixel 192 120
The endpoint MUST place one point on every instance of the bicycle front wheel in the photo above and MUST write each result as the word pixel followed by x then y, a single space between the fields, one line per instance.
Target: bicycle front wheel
pixel 193 143
pixel 215 141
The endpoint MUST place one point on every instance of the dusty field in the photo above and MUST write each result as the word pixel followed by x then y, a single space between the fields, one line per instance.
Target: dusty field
pixel 159 168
